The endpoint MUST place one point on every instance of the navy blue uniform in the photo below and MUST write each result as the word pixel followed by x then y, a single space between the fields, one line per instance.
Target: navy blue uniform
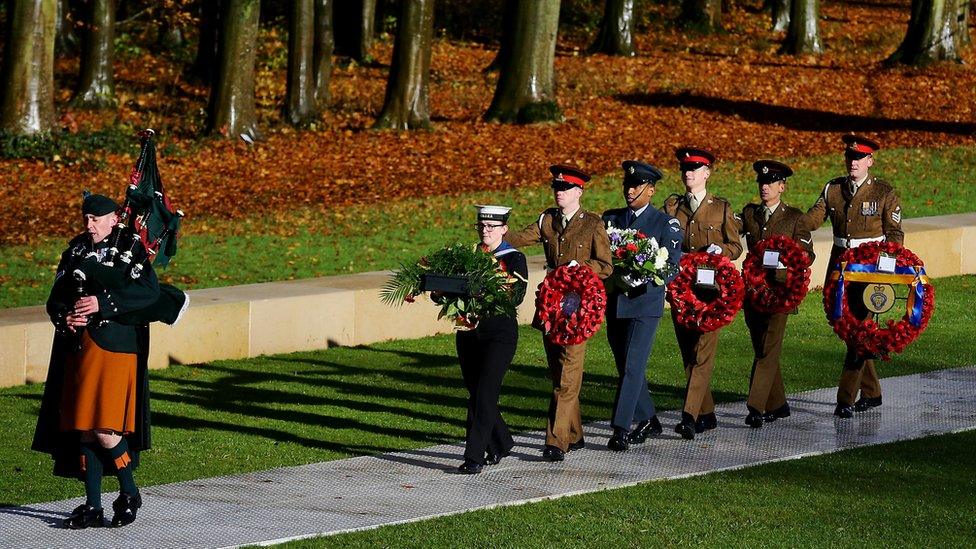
pixel 633 317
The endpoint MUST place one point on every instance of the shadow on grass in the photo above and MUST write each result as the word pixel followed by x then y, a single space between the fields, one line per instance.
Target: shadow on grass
pixel 792 117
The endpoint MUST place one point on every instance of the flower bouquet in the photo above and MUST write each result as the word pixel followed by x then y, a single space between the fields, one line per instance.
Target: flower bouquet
pixel 638 257
pixel 480 286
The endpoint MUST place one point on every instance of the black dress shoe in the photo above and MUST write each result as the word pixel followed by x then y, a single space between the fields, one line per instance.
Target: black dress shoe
pixel 553 453
pixel 866 403
pixel 493 459
pixel 706 422
pixel 779 413
pixel 578 445
pixel 470 467
pixel 754 419
pixel 618 442
pixel 646 428
pixel 844 410
pixel 85 516
pixel 686 427
pixel 125 509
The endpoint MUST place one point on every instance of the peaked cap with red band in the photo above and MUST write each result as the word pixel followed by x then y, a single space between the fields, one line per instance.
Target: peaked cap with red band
pixel 859 146
pixel 693 155
pixel 564 177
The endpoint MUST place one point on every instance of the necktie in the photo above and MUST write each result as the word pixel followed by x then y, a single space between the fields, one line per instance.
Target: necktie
pixel 565 221
pixel 767 213
pixel 693 203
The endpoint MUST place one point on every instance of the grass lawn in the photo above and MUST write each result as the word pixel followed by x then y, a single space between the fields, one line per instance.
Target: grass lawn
pixel 306 243
pixel 907 494
pixel 243 415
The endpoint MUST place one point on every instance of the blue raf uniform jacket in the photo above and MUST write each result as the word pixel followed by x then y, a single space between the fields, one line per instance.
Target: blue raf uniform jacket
pixel 646 299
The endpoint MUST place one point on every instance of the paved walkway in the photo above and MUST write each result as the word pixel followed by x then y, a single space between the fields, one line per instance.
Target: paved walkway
pixel 365 492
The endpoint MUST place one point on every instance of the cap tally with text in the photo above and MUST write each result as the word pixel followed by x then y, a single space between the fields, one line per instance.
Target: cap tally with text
pixel 639 173
pixel 97 204
pixel 493 213
pixel 694 157
pixel 768 171
pixel 566 177
pixel 859 146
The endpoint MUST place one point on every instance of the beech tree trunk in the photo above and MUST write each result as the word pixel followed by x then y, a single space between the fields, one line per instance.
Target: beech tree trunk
pixel 702 15
pixel 322 56
pixel 963 21
pixel 803 36
pixel 300 109
pixel 67 39
pixel 96 81
pixel 406 105
pixel 934 33
pixel 616 35
pixel 526 84
pixel 509 13
pixel 205 63
pixel 781 14
pixel 354 28
pixel 27 92
pixel 231 111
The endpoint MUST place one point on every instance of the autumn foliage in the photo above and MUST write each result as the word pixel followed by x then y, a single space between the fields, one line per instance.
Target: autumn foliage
pixel 731 92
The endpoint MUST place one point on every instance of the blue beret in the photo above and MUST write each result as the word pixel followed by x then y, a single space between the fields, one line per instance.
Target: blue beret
pixel 639 173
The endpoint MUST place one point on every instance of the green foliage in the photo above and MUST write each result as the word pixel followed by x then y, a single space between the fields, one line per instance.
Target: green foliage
pixel 126 46
pixel 490 287
pixel 67 147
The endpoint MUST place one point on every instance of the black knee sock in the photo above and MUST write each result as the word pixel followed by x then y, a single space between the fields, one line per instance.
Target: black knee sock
pixel 93 473
pixel 120 455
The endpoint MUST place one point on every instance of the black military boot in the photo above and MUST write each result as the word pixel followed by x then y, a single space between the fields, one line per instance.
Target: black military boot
pixel 85 516
pixel 125 509
pixel 686 427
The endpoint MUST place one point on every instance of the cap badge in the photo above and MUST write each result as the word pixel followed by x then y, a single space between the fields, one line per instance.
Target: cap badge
pixel 631 170
pixel 765 169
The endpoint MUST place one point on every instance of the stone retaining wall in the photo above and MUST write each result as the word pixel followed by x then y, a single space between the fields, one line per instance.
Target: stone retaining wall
pixel 300 315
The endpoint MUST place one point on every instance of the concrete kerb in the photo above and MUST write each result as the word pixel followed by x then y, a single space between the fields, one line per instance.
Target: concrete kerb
pixel 280 317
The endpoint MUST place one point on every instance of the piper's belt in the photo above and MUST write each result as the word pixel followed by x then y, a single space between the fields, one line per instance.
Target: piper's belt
pixel 855 242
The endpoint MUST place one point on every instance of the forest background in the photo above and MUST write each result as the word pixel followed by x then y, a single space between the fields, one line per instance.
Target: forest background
pixel 273 118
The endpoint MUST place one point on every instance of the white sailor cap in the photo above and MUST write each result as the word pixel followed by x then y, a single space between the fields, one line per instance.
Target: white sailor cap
pixel 492 213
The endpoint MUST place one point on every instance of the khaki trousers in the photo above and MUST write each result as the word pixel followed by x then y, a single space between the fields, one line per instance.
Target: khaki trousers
pixel 698 355
pixel 565 424
pixel 766 389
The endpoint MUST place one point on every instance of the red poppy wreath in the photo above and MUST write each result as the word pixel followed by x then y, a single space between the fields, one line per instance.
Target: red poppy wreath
pixel 570 304
pixel 710 310
pixel 861 265
pixel 772 297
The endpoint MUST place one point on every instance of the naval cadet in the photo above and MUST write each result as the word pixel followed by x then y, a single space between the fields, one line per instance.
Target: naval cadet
pixel 710 224
pixel 571 236
pixel 861 208
pixel 635 307
pixel 485 353
pixel 771 217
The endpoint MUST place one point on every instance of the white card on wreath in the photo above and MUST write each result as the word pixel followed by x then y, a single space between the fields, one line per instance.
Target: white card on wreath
pixel 706 277
pixel 886 263
pixel 771 259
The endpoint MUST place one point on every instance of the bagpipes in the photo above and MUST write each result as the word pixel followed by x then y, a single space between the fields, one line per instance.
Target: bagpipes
pixel 146 235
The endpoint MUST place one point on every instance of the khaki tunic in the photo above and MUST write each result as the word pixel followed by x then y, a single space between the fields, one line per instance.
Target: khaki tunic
pixel 715 222
pixel 584 240
pixel 872 212
pixel 766 389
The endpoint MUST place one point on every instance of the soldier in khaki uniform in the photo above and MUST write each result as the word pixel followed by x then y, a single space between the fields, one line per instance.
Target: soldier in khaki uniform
pixel 710 225
pixel 569 235
pixel 861 208
pixel 767 395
